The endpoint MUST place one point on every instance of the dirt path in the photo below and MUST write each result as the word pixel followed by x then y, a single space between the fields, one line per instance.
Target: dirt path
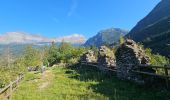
pixel 46 78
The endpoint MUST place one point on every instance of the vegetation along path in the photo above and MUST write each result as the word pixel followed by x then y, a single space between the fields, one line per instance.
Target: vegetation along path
pixel 86 83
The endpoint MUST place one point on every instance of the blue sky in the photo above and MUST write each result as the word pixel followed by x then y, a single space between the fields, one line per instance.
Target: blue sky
pixel 53 18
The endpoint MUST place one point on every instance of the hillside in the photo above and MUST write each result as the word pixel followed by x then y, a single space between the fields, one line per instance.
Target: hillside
pixel 154 30
pixel 107 36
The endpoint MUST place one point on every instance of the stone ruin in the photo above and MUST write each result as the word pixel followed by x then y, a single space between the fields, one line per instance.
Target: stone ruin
pixel 88 56
pixel 128 56
pixel 106 57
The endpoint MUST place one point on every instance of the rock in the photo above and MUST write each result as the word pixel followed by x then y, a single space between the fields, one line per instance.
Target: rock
pixel 128 56
pixel 33 68
pixel 106 57
pixel 88 56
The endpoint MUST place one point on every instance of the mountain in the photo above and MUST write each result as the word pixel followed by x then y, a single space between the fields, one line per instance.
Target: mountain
pixel 107 36
pixel 24 38
pixel 154 30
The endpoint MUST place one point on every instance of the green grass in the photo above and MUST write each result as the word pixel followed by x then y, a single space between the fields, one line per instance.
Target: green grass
pixel 86 83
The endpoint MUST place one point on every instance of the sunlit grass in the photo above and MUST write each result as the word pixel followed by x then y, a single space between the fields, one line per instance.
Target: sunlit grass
pixel 84 83
pixel 61 87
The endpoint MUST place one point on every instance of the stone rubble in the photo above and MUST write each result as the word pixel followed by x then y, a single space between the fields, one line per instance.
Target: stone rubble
pixel 106 57
pixel 128 56
pixel 88 57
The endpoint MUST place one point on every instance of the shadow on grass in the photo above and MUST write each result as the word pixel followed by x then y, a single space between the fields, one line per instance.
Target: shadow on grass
pixel 113 88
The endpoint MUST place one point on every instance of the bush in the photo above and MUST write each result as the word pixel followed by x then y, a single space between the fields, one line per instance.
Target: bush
pixel 31 56
pixel 64 53
pixel 157 59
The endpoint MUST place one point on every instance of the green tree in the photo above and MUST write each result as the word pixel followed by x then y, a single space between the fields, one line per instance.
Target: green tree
pixel 65 50
pixel 31 56
pixel 156 59
pixel 52 54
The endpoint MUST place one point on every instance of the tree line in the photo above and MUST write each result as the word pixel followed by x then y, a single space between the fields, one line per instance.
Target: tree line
pixel 11 67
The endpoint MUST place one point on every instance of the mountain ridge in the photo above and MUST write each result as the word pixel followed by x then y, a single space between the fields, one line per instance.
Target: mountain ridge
pixel 153 31
pixel 161 10
pixel 106 36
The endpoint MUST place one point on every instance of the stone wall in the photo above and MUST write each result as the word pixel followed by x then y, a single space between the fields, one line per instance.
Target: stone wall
pixel 88 56
pixel 106 57
pixel 128 56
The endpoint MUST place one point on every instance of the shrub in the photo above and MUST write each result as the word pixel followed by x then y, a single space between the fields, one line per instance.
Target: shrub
pixel 157 59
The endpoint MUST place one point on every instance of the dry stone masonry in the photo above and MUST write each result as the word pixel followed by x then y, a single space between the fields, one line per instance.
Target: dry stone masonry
pixel 88 57
pixel 106 57
pixel 128 56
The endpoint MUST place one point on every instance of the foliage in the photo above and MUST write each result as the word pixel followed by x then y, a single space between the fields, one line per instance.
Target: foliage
pixel 157 59
pixel 31 56
pixel 10 68
pixel 121 40
pixel 51 54
pixel 64 53
pixel 6 67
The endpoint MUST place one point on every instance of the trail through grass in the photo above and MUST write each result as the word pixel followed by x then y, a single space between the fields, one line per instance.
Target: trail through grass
pixel 82 83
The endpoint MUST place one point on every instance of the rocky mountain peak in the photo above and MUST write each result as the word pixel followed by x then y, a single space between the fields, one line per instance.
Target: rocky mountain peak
pixel 106 36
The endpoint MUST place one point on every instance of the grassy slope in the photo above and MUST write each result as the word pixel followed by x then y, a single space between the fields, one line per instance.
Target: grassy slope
pixel 85 83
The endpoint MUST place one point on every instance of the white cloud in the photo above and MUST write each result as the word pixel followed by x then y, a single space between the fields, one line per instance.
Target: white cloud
pixel 73 8
pixel 21 37
pixel 74 38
